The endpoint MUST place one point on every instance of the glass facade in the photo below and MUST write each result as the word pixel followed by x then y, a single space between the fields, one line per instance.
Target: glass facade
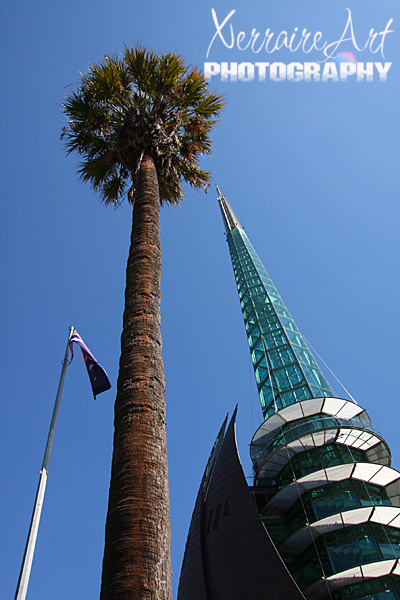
pixel 384 588
pixel 332 499
pixel 316 459
pixel 285 369
pixel 300 427
pixel 341 550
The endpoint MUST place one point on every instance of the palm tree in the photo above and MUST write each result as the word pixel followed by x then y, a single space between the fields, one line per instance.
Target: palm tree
pixel 140 124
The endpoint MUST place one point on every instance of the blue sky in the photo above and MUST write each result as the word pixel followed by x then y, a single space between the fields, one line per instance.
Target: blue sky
pixel 310 168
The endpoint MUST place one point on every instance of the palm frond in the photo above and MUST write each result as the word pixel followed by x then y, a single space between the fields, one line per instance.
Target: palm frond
pixel 141 103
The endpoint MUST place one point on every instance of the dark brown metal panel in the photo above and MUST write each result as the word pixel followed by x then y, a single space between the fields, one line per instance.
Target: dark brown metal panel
pixel 239 559
pixel 192 582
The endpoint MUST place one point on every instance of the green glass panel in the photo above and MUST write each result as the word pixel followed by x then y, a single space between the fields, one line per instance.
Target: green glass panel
pixel 277 529
pixel 302 393
pixel 353 552
pixel 297 340
pixel 275 338
pixel 262 362
pixel 321 392
pixel 256 356
pixel 306 357
pixel 263 310
pixel 381 588
pixel 254 339
pixel 288 377
pixel 269 324
pixel 261 375
pixel 281 356
pixel 258 345
pixel 265 313
pixel 252 325
pixel 383 595
pixel 313 566
pixel 322 457
pixel 336 499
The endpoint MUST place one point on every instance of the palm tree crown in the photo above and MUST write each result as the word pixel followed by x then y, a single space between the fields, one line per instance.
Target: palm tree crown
pixel 141 104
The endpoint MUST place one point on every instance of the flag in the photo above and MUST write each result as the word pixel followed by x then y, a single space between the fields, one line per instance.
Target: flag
pixel 97 375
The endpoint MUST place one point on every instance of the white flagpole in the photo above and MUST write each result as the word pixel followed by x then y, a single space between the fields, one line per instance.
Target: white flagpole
pixel 25 572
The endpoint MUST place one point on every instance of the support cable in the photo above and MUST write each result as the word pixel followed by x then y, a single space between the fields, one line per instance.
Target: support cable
pixel 330 371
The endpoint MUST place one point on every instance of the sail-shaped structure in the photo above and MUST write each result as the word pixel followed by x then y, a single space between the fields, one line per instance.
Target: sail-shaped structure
pixel 324 505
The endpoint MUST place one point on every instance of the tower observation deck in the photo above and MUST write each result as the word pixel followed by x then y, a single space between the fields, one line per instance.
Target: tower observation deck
pixel 324 507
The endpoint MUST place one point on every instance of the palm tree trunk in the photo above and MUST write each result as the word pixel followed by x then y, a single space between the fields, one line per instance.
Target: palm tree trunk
pixel 137 555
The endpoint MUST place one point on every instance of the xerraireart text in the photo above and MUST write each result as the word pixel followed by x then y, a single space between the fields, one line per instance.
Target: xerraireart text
pixel 335 61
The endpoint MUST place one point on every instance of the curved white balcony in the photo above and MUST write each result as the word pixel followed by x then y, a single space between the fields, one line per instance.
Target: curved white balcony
pixel 321 589
pixel 375 448
pixel 368 472
pixel 300 540
pixel 337 407
pixel 332 420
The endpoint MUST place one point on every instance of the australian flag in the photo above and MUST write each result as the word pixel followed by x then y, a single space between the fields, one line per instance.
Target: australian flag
pixel 97 375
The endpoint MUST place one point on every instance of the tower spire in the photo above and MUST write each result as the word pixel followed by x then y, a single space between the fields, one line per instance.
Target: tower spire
pixel 284 366
pixel 325 493
pixel 228 216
